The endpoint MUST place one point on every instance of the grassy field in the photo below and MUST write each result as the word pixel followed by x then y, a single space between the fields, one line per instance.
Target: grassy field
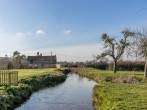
pixel 120 96
pixel 96 74
pixel 109 95
pixel 25 73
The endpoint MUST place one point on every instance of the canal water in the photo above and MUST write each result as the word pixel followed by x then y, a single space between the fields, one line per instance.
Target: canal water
pixel 73 94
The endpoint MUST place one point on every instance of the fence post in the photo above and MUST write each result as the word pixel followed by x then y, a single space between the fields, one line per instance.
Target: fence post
pixel 9 73
pixel 16 78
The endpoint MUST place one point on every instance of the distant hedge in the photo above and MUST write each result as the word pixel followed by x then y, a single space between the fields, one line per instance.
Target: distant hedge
pixel 102 66
pixel 128 65
pixel 121 65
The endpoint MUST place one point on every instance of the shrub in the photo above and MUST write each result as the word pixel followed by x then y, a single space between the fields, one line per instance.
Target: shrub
pixel 102 66
pixel 128 65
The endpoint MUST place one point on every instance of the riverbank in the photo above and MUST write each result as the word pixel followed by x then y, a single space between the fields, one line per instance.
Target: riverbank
pixel 65 96
pixel 124 90
pixel 29 82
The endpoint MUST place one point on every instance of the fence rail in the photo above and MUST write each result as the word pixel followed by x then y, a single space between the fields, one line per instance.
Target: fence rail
pixel 9 78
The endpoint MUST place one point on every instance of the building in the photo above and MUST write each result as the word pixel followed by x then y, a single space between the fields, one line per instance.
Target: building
pixel 42 61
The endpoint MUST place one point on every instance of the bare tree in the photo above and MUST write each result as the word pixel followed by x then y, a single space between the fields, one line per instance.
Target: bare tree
pixel 115 48
pixel 140 44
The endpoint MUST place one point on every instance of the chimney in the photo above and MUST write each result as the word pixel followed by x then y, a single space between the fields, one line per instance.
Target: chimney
pixel 37 53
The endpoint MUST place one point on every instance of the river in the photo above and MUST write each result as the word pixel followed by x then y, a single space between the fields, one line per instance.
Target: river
pixel 73 94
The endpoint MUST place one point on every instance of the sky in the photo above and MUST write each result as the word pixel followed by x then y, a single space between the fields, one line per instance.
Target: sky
pixel 71 29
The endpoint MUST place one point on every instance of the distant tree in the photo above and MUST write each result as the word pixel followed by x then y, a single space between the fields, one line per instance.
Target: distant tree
pixel 140 46
pixel 115 48
pixel 17 57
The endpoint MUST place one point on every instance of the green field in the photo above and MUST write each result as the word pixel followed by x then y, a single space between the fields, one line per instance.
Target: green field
pixel 25 73
pixel 120 96
pixel 109 95
pixel 103 75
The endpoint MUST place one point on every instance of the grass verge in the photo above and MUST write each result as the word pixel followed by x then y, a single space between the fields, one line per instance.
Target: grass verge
pixel 110 95
pixel 120 96
pixel 106 75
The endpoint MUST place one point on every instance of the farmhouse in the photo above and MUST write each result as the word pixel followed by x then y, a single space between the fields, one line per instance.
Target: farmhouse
pixel 42 61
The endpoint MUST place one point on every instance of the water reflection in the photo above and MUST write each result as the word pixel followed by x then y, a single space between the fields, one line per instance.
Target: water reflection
pixel 74 94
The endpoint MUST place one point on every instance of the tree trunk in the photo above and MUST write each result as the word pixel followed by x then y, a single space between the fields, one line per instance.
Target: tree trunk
pixel 115 66
pixel 145 68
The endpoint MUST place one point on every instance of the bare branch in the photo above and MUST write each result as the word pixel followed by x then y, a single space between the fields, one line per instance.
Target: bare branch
pixel 114 48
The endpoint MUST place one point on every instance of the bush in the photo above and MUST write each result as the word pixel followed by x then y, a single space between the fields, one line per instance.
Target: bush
pixel 14 95
pixel 102 66
pixel 99 65
pixel 128 65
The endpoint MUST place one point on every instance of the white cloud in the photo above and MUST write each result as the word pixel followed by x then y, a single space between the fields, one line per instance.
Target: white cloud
pixel 40 32
pixel 19 34
pixel 28 33
pixel 67 32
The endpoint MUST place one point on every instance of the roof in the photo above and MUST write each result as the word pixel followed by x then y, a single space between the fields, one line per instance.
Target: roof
pixel 42 58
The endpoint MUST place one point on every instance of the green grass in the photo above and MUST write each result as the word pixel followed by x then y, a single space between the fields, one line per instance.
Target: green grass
pixel 106 74
pixel 116 96
pixel 120 96
pixel 25 73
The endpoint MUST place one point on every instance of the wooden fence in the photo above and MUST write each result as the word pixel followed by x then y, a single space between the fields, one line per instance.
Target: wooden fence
pixel 9 78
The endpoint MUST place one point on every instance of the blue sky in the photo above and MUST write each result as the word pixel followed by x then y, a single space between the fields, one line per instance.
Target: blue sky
pixel 65 25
